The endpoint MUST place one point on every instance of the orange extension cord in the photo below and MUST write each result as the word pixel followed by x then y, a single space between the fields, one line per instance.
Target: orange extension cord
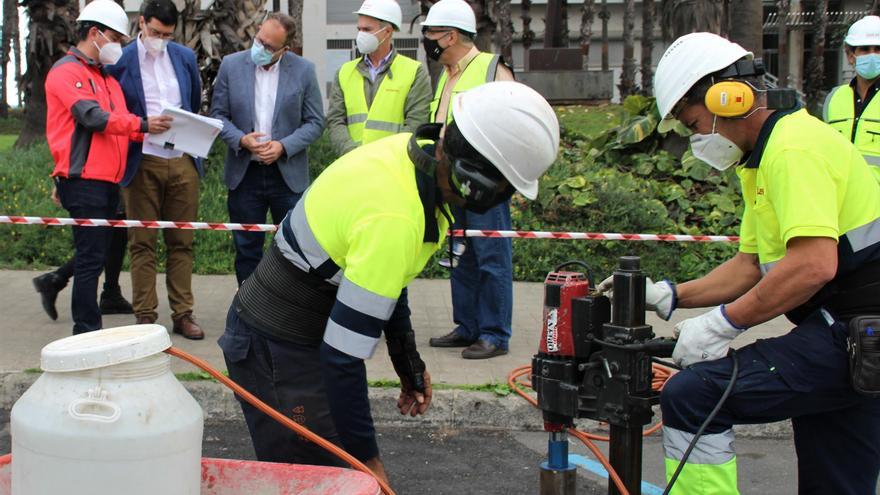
pixel 661 375
pixel 277 416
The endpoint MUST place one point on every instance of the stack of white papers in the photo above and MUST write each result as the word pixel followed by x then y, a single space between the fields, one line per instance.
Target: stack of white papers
pixel 190 133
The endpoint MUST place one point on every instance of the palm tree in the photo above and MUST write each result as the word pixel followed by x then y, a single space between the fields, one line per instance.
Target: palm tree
pixel 528 36
pixel 227 26
pixel 627 84
pixel 505 29
pixel 9 30
pixel 50 34
pixel 649 15
pixel 816 66
pixel 783 7
pixel 747 28
pixel 588 13
pixel 681 17
pixel 295 10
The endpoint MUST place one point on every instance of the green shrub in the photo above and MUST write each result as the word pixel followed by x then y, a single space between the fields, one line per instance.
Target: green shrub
pixel 608 178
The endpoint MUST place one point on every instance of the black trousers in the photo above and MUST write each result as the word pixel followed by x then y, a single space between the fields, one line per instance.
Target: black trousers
pixel 287 376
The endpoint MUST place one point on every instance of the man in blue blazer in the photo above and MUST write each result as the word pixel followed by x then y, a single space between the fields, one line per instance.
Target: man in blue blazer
pixel 160 184
pixel 270 104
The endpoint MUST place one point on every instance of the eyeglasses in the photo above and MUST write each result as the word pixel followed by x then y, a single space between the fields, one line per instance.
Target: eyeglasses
pixel 444 32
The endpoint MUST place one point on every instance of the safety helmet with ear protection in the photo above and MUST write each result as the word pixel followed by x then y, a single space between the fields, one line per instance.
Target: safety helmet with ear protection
pixel 689 59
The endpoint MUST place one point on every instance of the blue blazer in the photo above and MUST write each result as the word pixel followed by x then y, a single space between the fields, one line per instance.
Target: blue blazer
pixel 128 72
pixel 297 122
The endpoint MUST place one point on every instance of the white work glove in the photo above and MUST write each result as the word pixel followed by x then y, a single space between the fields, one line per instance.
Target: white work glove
pixel 659 297
pixel 704 338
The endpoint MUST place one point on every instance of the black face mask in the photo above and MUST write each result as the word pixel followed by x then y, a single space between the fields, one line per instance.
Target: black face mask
pixel 433 48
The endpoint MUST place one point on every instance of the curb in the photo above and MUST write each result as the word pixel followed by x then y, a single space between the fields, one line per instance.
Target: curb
pixel 449 408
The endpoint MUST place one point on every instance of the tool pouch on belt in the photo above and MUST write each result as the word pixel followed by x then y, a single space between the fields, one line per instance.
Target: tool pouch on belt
pixel 863 344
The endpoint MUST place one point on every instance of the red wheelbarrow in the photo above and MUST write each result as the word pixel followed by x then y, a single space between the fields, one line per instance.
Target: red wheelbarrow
pixel 232 477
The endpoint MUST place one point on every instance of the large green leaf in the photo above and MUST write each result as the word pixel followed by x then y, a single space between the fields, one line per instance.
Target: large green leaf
pixel 637 129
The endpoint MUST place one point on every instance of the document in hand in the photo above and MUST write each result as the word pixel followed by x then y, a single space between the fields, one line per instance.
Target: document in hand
pixel 191 133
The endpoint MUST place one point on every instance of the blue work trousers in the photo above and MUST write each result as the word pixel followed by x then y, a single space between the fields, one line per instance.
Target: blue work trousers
pixel 84 198
pixel 482 283
pixel 802 376
pixel 262 190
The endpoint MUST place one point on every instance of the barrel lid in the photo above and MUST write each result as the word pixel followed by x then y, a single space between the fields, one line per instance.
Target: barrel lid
pixel 102 348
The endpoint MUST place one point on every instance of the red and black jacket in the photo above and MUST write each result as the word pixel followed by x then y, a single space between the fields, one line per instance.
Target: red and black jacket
pixel 87 124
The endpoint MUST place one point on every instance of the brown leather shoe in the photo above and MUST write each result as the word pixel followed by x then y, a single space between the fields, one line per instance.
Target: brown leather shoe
pixel 482 350
pixel 144 320
pixel 451 339
pixel 187 326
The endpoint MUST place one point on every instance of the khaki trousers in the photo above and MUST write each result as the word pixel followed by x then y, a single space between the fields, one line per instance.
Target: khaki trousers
pixel 162 189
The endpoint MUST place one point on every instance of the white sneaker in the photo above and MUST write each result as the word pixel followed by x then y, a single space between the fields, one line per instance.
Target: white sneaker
pixel 458 249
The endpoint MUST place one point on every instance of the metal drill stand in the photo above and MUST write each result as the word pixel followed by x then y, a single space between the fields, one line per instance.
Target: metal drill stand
pixel 595 362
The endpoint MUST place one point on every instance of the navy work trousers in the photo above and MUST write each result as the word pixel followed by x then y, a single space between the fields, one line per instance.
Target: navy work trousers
pixel 802 376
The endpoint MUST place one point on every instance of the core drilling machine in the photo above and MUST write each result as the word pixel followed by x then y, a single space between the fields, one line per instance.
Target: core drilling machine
pixel 594 362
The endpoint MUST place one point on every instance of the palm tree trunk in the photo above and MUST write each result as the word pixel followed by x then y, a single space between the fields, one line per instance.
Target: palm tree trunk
pixel 563 10
pixel 485 25
pixel 16 51
pixel 295 10
pixel 9 6
pixel 816 67
pixel 783 7
pixel 51 33
pixel 649 14
pixel 588 13
pixel 605 15
pixel 528 36
pixel 505 29
pixel 747 28
pixel 628 74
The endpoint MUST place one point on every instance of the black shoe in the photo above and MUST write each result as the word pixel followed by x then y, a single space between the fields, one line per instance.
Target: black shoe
pixel 49 285
pixel 451 339
pixel 482 350
pixel 112 303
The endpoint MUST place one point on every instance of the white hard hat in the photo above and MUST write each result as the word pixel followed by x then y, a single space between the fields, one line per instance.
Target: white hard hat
pixel 452 13
pixel 106 12
pixel 513 127
pixel 864 32
pixel 689 59
pixel 384 10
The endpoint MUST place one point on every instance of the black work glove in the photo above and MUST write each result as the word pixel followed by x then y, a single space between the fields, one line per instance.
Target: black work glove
pixel 407 362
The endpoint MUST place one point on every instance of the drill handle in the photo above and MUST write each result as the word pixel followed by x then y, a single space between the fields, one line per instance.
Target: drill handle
pixel 660 347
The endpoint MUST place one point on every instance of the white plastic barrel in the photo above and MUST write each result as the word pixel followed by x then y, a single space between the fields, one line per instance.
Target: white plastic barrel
pixel 107 417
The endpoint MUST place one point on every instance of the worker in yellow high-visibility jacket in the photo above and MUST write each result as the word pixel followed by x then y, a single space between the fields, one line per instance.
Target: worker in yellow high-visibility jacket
pixel 381 93
pixel 301 326
pixel 852 108
pixel 809 249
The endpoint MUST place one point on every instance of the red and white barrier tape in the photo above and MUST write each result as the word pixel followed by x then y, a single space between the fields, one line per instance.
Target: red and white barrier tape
pixel 514 234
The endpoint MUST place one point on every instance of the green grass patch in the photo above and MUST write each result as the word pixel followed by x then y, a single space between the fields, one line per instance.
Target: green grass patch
pixel 7 140
pixel 588 121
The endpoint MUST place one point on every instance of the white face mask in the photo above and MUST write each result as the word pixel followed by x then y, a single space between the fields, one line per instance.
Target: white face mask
pixel 110 53
pixel 154 45
pixel 367 43
pixel 715 149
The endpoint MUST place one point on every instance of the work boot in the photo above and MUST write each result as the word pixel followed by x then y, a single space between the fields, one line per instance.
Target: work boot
pixel 187 326
pixel 112 302
pixel 49 285
pixel 451 339
pixel 482 349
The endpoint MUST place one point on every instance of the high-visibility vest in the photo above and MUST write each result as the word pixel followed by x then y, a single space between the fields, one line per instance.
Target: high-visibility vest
pixel 385 116
pixel 864 131
pixel 480 71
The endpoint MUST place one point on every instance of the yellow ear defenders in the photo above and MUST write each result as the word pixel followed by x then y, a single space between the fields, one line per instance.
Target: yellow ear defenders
pixel 730 98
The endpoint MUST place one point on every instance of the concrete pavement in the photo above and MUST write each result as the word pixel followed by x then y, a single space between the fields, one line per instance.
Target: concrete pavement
pixel 26 328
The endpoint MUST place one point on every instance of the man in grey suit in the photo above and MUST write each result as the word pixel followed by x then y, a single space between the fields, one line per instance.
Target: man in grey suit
pixel 270 104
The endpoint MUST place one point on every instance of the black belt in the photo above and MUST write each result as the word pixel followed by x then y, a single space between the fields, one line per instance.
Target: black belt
pixel 284 302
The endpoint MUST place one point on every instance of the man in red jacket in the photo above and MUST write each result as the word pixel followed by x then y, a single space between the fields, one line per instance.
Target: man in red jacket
pixel 88 129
